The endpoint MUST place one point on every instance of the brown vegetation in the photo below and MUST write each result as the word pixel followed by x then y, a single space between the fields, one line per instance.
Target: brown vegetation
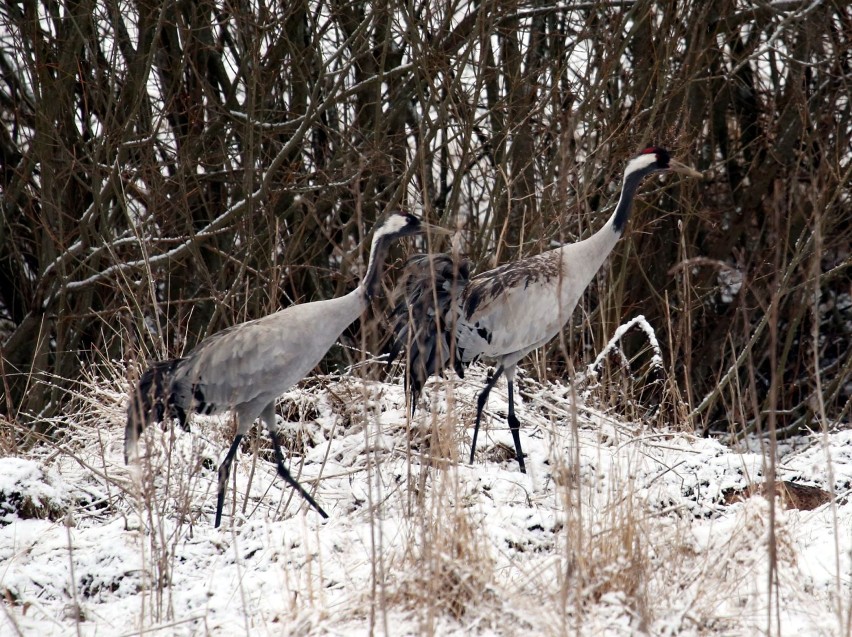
pixel 169 169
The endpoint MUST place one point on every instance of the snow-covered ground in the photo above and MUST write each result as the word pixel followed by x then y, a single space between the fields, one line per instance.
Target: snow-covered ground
pixel 616 529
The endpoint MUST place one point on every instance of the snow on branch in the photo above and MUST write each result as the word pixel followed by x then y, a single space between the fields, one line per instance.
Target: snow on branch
pixel 642 323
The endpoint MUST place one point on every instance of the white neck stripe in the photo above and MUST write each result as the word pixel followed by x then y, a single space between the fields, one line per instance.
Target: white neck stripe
pixel 640 162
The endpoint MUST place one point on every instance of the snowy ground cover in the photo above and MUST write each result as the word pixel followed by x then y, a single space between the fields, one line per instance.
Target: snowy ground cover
pixel 617 528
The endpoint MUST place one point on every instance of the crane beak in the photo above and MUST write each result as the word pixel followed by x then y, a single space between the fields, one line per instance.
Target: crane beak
pixel 676 166
pixel 428 228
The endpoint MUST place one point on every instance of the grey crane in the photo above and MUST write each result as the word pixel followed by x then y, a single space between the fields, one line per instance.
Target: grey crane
pixel 445 317
pixel 246 367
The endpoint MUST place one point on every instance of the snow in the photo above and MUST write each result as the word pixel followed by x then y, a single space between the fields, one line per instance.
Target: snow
pixel 617 529
pixel 642 323
pixel 23 479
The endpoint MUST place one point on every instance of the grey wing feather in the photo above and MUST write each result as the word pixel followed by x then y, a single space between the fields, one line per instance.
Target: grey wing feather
pixel 515 308
pixel 251 364
pixel 217 368
pixel 425 317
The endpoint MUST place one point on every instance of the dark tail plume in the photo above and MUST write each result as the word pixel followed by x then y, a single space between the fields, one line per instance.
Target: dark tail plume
pixel 148 403
pixel 424 317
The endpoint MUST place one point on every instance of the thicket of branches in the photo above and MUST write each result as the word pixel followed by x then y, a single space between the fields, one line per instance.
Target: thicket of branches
pixel 171 168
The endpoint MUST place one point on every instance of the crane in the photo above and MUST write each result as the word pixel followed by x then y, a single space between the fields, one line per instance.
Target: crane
pixel 446 317
pixel 244 368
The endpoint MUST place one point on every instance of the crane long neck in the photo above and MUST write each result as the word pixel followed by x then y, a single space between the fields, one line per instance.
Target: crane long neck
pixel 625 203
pixel 370 282
pixel 587 256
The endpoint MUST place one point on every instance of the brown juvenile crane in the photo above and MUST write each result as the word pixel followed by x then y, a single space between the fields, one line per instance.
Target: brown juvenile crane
pixel 246 367
pixel 445 317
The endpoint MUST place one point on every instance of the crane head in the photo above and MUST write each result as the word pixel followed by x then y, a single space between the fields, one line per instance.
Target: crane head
pixel 403 224
pixel 394 226
pixel 657 159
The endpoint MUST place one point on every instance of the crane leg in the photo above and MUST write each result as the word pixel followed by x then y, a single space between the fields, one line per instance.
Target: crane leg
pixel 480 405
pixel 515 427
pixel 282 471
pixel 224 472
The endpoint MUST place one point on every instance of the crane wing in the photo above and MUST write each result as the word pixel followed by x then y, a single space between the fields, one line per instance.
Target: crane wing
pixel 427 309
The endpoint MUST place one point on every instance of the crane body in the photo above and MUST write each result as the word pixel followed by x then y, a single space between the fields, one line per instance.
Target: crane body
pixel 446 318
pixel 245 368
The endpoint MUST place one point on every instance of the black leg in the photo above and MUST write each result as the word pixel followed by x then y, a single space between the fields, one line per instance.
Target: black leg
pixel 282 471
pixel 480 405
pixel 224 472
pixel 413 396
pixel 515 428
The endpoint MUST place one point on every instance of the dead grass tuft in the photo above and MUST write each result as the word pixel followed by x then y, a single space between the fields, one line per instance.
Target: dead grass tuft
pixel 447 571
